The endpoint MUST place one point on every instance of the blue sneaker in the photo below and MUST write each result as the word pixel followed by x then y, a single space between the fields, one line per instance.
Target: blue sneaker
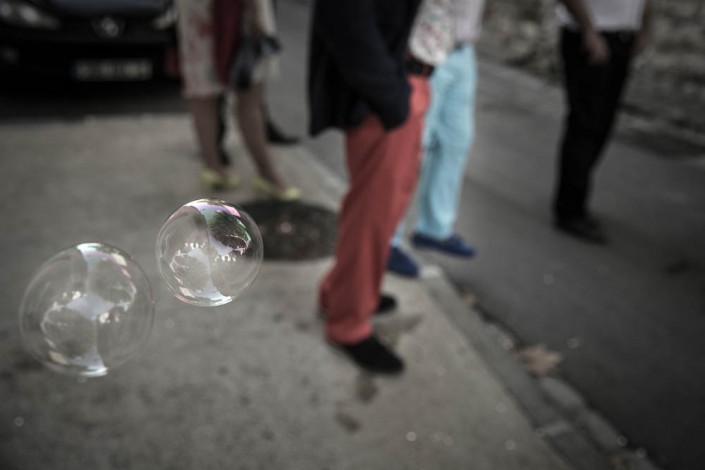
pixel 453 245
pixel 401 263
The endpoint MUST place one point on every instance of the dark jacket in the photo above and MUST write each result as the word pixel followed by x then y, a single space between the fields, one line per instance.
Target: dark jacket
pixel 356 62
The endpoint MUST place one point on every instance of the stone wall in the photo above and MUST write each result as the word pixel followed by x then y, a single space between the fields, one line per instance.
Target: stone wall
pixel 668 81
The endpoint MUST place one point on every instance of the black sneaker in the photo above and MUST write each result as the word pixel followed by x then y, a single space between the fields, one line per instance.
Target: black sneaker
pixel 387 304
pixel 584 228
pixel 373 356
pixel 276 136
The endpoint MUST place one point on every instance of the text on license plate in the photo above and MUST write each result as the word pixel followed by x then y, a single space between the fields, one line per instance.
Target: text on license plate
pixel 132 69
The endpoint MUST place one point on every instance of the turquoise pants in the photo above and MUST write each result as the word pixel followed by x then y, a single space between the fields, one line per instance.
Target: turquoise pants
pixel 448 134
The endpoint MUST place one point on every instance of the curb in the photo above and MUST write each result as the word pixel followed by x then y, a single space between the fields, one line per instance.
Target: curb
pixel 559 414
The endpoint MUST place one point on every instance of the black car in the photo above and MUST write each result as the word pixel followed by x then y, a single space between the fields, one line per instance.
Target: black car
pixel 89 40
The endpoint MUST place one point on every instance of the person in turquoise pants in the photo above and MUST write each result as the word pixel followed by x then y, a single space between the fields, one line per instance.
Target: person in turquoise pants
pixel 448 136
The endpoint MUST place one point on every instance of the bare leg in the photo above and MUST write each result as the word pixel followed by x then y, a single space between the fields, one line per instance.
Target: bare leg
pixel 251 121
pixel 204 112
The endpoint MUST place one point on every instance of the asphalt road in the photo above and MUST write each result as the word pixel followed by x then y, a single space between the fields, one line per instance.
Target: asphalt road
pixel 627 318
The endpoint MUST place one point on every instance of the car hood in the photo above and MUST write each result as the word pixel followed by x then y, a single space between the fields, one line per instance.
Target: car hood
pixel 107 7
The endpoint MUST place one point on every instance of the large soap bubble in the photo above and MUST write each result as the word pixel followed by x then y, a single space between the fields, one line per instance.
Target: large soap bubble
pixel 208 252
pixel 87 310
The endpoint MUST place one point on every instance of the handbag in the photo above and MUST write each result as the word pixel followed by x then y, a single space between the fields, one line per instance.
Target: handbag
pixel 252 52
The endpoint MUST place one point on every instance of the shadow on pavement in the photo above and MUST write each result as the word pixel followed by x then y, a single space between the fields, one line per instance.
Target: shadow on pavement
pixel 46 98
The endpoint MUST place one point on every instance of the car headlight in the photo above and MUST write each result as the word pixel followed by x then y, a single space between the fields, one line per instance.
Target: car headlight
pixel 24 14
pixel 165 20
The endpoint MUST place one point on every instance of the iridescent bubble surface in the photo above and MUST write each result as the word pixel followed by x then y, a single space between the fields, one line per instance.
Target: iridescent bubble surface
pixel 87 310
pixel 208 252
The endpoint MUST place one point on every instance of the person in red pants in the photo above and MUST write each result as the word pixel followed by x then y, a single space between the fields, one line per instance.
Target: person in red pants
pixel 358 83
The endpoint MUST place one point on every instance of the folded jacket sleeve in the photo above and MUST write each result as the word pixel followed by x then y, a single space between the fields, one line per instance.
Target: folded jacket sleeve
pixel 350 30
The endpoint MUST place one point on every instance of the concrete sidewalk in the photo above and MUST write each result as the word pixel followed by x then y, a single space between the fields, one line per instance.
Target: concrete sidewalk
pixel 243 386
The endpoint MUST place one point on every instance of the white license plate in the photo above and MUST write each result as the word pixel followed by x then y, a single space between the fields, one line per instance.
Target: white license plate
pixel 98 70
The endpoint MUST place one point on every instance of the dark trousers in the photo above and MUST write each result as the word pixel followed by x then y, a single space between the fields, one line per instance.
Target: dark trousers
pixel 593 94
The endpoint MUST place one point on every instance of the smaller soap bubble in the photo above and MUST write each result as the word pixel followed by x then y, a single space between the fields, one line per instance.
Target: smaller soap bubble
pixel 86 310
pixel 208 252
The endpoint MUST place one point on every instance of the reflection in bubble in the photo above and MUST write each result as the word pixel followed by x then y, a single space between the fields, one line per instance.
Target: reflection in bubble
pixel 208 252
pixel 86 310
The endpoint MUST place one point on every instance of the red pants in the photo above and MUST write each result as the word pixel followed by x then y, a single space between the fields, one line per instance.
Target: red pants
pixel 383 167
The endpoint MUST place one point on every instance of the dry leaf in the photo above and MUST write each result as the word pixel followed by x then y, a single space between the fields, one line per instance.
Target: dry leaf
pixel 469 298
pixel 539 360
